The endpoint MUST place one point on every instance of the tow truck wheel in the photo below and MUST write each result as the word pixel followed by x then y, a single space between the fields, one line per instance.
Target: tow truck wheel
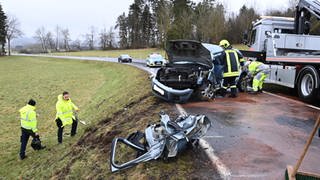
pixel 308 84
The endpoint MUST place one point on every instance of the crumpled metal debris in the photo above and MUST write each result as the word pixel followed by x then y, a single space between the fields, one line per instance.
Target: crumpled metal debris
pixel 164 139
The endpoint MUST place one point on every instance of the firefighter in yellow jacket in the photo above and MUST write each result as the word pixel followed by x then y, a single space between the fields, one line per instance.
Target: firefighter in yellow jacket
pixel 233 60
pixel 64 116
pixel 28 119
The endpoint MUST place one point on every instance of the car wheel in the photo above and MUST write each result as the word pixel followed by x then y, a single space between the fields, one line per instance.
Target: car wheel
pixel 308 84
pixel 242 82
pixel 242 85
pixel 205 92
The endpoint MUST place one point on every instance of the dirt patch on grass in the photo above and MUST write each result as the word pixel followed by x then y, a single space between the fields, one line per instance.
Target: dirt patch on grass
pixel 191 164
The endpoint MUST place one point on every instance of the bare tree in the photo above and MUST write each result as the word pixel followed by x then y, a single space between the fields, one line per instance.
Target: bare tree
pixel 163 16
pixel 103 39
pixel 76 45
pixel 111 38
pixel 57 29
pixel 40 36
pixel 13 30
pixel 90 37
pixel 293 4
pixel 49 40
pixel 66 38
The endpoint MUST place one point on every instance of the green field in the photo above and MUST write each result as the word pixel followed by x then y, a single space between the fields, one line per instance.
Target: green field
pixel 99 89
pixel 135 53
pixel 114 100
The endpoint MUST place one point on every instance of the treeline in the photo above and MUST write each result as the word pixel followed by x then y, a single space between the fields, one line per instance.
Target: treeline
pixel 60 39
pixel 150 23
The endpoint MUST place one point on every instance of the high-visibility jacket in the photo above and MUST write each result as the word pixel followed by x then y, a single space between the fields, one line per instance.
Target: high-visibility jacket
pixel 28 118
pixel 65 110
pixel 232 64
pixel 256 66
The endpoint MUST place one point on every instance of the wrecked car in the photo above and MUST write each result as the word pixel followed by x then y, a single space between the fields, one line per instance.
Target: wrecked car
pixel 192 69
pixel 164 140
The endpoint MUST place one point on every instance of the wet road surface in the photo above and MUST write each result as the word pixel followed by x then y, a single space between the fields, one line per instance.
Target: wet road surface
pixel 257 136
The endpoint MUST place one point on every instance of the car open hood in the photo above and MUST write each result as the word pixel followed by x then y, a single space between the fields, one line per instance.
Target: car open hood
pixel 187 51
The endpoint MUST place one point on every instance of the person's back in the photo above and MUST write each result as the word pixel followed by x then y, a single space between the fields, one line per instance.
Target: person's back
pixel 28 120
pixel 233 59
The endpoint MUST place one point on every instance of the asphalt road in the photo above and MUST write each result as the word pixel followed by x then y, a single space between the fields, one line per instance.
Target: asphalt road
pixel 254 136
pixel 257 136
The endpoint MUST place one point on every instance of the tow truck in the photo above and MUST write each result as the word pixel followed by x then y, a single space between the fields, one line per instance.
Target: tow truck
pixel 291 52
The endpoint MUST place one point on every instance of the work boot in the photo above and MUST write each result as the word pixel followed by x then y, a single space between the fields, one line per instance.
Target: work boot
pixel 23 157
pixel 259 90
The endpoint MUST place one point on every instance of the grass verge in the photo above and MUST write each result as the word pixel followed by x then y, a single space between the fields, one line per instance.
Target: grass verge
pixel 98 88
pixel 114 99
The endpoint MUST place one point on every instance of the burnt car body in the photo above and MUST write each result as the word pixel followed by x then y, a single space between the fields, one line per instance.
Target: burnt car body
pixel 124 58
pixel 190 70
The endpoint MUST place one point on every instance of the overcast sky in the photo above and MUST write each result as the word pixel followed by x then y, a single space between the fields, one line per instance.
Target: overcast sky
pixel 79 15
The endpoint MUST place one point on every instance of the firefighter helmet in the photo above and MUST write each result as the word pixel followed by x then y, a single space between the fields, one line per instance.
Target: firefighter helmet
pixel 224 43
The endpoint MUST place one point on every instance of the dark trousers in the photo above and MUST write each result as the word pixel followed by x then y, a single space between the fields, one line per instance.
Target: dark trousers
pixel 60 128
pixel 25 134
pixel 230 82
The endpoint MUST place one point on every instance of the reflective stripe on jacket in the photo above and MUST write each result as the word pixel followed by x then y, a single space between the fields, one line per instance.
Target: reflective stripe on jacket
pixel 65 110
pixel 232 64
pixel 28 118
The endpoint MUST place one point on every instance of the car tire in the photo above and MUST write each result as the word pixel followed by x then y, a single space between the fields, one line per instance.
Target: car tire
pixel 308 84
pixel 199 93
pixel 242 85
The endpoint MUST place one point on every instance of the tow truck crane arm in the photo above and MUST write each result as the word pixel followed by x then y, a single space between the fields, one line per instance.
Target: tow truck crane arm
pixel 304 10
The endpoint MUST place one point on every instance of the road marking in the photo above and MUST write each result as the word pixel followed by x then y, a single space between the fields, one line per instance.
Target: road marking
pixel 213 136
pixel 292 100
pixel 223 171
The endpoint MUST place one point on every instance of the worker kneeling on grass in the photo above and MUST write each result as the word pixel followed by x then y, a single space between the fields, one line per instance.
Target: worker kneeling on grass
pixel 28 119
pixel 64 115
pixel 259 72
